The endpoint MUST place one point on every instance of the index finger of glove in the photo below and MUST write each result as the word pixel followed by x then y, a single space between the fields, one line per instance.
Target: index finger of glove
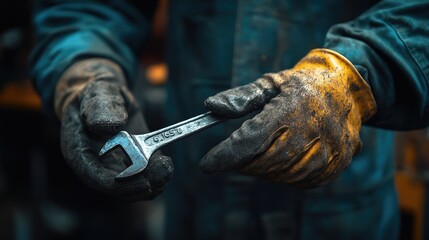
pixel 82 155
pixel 103 108
pixel 239 101
pixel 254 137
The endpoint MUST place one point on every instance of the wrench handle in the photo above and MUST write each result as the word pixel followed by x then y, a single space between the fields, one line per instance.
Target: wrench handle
pixel 167 135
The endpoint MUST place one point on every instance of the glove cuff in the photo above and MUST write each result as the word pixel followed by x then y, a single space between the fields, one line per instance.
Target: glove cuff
pixel 342 74
pixel 81 73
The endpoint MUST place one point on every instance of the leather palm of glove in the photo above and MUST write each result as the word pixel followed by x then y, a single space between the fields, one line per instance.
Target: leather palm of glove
pixel 308 129
pixel 93 103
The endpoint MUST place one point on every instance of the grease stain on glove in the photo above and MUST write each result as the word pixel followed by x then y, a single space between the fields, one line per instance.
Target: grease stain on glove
pixel 308 129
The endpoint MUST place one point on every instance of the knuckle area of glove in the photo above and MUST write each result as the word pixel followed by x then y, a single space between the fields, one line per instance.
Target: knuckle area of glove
pixel 316 115
pixel 94 88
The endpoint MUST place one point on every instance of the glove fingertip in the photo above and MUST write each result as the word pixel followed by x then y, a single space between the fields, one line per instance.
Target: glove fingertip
pixel 223 106
pixel 214 104
pixel 206 166
pixel 212 163
pixel 102 108
pixel 159 170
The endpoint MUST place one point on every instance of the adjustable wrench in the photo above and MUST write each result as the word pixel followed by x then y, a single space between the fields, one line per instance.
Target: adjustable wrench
pixel 140 148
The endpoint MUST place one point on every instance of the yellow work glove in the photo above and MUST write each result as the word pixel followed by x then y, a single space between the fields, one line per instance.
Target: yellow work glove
pixel 94 103
pixel 308 129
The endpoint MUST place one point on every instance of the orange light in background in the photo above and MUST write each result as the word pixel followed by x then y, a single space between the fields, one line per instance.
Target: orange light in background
pixel 157 74
pixel 20 95
pixel 411 147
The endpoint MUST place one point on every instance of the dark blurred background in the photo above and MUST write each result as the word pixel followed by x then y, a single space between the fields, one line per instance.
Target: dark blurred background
pixel 40 198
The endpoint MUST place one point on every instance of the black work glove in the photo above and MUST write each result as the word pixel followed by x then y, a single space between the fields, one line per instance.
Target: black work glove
pixel 93 103
pixel 308 129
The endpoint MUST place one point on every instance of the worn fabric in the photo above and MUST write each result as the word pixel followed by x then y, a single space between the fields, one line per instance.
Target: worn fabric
pixel 214 45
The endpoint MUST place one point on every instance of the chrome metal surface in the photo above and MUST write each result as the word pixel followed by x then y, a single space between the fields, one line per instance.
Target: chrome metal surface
pixel 140 148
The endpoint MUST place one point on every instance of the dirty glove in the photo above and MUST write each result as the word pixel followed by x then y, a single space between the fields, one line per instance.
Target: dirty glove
pixel 308 129
pixel 93 103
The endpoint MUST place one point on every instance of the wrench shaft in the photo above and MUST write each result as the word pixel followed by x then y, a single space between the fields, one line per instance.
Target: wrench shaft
pixel 141 147
pixel 167 135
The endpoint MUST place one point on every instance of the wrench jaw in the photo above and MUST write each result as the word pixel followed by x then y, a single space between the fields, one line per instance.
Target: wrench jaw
pixel 130 147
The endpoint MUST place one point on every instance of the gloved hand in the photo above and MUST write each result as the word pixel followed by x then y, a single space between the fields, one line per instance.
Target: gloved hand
pixel 308 130
pixel 93 103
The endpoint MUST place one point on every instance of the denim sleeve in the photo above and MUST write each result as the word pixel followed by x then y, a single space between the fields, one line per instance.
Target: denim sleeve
pixel 68 31
pixel 389 45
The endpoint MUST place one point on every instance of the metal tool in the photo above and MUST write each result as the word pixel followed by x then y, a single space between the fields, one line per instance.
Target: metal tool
pixel 141 147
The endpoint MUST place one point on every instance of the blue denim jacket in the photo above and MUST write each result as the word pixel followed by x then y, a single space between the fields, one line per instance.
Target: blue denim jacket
pixel 217 44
